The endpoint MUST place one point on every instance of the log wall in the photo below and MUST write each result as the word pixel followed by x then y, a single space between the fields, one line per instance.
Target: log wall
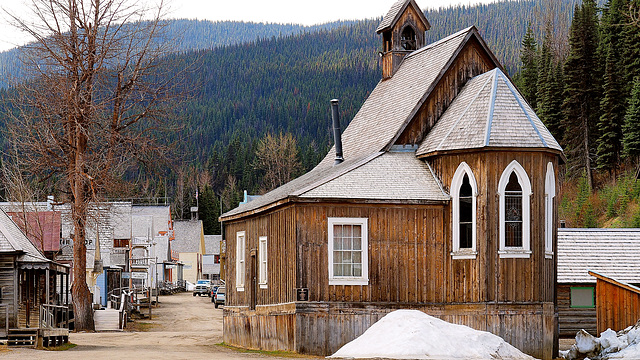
pixel 571 320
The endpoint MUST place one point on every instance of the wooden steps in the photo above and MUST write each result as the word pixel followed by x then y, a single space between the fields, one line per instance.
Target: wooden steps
pixel 107 320
pixel 22 337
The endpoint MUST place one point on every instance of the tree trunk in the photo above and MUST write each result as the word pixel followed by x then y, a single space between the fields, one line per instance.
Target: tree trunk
pixel 81 295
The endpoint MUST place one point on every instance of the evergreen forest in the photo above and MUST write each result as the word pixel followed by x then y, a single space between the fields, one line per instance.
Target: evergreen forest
pixel 265 88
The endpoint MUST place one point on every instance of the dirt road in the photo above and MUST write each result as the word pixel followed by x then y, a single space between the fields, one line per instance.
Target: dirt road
pixel 183 327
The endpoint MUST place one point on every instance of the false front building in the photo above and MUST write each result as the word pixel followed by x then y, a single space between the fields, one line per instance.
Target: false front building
pixel 443 200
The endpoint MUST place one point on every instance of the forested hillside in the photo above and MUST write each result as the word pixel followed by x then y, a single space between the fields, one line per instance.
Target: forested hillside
pixel 250 80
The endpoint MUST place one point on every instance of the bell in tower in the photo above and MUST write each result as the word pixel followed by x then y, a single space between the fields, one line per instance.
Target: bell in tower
pixel 402 32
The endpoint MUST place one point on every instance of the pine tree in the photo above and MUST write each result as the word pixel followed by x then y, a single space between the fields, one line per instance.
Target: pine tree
pixel 612 105
pixel 631 139
pixel 529 73
pixel 581 92
pixel 543 86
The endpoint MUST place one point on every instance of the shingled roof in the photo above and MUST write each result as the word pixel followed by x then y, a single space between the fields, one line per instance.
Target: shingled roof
pixel 613 252
pixel 393 15
pixel 488 112
pixel 14 241
pixel 370 134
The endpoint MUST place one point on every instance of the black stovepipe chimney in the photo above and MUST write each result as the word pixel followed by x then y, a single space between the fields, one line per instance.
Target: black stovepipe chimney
pixel 335 116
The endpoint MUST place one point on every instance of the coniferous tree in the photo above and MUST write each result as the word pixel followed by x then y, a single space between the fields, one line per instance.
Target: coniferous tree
pixel 612 105
pixel 543 85
pixel 631 139
pixel 581 93
pixel 529 73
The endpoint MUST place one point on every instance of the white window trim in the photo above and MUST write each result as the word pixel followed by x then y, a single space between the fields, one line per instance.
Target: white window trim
pixel 456 182
pixel 241 241
pixel 549 195
pixel 344 280
pixel 262 259
pixel 525 183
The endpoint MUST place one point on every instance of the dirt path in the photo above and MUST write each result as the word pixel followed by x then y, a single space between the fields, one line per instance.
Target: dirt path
pixel 183 327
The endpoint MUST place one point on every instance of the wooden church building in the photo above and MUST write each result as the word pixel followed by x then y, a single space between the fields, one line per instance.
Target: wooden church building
pixel 440 197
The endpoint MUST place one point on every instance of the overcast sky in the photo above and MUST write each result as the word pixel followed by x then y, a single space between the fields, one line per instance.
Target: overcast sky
pixel 307 12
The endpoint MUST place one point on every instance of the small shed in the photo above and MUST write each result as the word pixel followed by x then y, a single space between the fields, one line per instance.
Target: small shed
pixel 617 303
pixel 604 251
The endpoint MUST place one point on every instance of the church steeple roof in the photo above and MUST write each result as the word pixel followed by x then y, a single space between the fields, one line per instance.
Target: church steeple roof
pixel 396 12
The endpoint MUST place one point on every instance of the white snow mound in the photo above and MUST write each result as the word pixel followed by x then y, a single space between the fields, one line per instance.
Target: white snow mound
pixel 412 334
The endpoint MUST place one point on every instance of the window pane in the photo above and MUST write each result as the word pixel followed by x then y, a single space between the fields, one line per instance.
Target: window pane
pixel 337 270
pixel 465 188
pixel 582 297
pixel 513 184
pixel 347 231
pixel 337 231
pixel 337 243
pixel 357 257
pixel 513 234
pixel 346 257
pixel 466 210
pixel 357 244
pixel 346 270
pixel 465 236
pixel 357 270
pixel 357 231
pixel 337 257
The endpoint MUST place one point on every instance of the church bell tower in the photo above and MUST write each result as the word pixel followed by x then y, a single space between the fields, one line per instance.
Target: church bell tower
pixel 403 31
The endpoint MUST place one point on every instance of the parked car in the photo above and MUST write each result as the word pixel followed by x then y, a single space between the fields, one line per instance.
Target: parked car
pixel 203 287
pixel 214 288
pixel 218 298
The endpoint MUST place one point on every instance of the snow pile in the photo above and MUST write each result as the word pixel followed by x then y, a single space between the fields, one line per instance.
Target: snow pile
pixel 412 334
pixel 624 344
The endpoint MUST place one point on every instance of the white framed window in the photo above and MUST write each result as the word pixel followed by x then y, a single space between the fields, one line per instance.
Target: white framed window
pixel 514 190
pixel 348 251
pixel 262 258
pixel 549 194
pixel 464 190
pixel 240 260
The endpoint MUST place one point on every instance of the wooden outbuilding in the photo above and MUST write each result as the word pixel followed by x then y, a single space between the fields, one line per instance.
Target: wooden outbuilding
pixel 34 291
pixel 442 199
pixel 613 252
pixel 617 303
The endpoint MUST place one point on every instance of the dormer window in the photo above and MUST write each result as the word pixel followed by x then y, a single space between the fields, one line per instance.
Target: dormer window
pixel 408 39
pixel 464 190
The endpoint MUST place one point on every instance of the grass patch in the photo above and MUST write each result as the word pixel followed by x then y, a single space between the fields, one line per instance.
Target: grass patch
pixel 287 354
pixel 62 347
pixel 141 326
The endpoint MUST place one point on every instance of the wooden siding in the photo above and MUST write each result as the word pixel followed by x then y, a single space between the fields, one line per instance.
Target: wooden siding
pixel 7 286
pixel 279 226
pixel 488 277
pixel 321 328
pixel 405 252
pixel 617 304
pixel 471 62
pixel 571 320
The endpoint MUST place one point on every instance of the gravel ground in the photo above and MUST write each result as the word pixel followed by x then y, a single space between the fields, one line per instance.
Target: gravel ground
pixel 183 327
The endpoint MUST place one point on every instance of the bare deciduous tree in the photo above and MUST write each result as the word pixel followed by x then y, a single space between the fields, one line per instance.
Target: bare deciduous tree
pixel 277 156
pixel 92 106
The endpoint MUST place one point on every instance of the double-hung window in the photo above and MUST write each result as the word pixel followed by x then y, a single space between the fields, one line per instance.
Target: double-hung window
pixel 514 190
pixel 240 260
pixel 348 251
pixel 262 256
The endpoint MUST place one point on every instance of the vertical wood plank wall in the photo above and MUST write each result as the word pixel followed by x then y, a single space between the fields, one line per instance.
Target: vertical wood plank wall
pixel 488 276
pixel 7 286
pixel 471 62
pixel 617 307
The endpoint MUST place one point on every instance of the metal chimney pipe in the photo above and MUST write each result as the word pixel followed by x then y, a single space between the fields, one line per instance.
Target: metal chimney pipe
pixel 335 116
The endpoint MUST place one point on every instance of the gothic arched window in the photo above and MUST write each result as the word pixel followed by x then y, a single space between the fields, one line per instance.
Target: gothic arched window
pixel 463 193
pixel 514 189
